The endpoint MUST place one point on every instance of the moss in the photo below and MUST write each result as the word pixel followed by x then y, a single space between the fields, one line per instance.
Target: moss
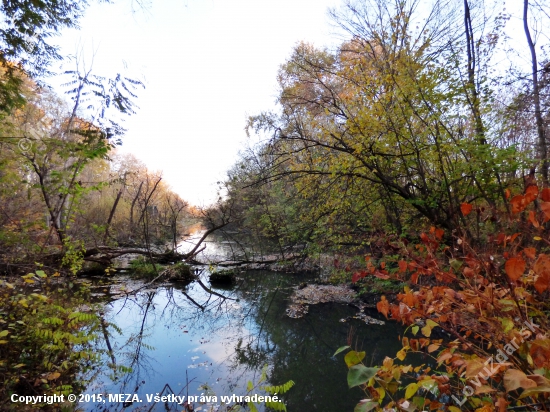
pixel 143 268
pixel 223 276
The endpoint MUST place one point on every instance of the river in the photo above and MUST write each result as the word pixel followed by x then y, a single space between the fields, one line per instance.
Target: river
pixel 181 339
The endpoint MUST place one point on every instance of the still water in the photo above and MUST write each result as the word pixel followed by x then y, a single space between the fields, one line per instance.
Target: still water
pixel 187 341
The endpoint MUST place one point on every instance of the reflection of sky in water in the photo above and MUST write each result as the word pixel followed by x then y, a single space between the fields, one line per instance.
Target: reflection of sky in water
pixel 164 334
pixel 211 345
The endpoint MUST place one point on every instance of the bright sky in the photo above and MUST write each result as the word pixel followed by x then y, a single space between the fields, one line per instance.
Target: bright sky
pixel 207 64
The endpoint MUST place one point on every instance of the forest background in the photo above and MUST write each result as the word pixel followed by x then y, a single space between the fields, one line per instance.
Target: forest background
pixel 410 145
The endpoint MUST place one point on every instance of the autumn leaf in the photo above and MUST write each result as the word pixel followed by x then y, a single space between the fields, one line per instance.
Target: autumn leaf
pixel 507 194
pixel 540 352
pixel 468 272
pixel 412 388
pixel 426 331
pixel 533 219
pixel 542 282
pixel 531 194
pixel 515 267
pixel 530 252
pixel 466 208
pixel 545 207
pixel 354 358
pixel 433 347
pixel 383 306
pixel 542 264
pixel 514 379
pixel 381 275
pixel 518 203
pixel 53 376
pixel 545 194
pixel 402 266
pixel 501 404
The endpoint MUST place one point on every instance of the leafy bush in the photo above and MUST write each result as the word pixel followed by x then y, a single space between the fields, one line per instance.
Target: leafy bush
pixel 489 300
pixel 45 339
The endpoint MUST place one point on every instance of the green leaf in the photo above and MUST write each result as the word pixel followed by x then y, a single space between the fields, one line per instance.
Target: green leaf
pixel 359 374
pixel 415 329
pixel 41 274
pixel 412 388
pixel 507 324
pixel 365 406
pixel 4 333
pixel 353 358
pixel 340 349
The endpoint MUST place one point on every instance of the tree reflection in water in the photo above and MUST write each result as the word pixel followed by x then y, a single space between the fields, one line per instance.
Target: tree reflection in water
pixel 223 339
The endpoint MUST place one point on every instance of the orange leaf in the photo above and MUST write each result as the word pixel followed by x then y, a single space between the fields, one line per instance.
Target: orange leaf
pixel 531 194
pixel 402 266
pixel 381 274
pixel 439 233
pixel 542 282
pixel 542 264
pixel 530 252
pixel 533 219
pixel 540 352
pixel 507 194
pixel 545 194
pixel 518 203
pixel 515 267
pixel 466 208
pixel 383 306
pixel 545 207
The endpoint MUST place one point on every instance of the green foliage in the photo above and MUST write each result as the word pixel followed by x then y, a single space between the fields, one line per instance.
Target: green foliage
pixel 45 340
pixel 142 267
pixel 73 258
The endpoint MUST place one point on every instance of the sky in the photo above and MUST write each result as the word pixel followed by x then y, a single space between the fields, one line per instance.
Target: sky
pixel 207 65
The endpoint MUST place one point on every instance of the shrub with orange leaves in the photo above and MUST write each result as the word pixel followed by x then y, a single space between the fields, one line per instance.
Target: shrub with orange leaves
pixel 488 303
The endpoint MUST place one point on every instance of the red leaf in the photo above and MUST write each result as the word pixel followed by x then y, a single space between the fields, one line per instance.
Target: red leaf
pixel 356 276
pixel 518 204
pixel 439 233
pixel 545 207
pixel 466 208
pixel 533 219
pixel 424 238
pixel 531 194
pixel 530 252
pixel 402 266
pixel 542 282
pixel 383 306
pixel 381 275
pixel 515 267
pixel 542 264
pixel 468 272
pixel 545 194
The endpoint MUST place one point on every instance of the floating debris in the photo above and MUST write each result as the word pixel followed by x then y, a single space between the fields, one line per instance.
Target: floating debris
pixel 313 294
pixel 296 311
pixel 368 319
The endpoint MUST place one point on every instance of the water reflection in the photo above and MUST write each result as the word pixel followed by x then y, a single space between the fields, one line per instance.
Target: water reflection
pixel 185 337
